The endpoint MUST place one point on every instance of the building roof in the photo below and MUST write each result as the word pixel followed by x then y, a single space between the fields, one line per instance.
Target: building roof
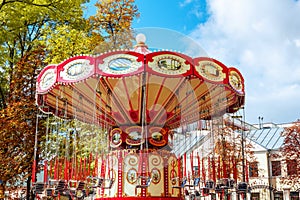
pixel 269 137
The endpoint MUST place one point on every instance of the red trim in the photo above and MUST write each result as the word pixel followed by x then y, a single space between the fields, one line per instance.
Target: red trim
pixel 184 163
pixel 224 69
pixel 166 174
pixel 60 68
pixel 99 60
pixel 120 174
pixel 241 77
pixel 188 60
pixel 192 162
pixel 199 163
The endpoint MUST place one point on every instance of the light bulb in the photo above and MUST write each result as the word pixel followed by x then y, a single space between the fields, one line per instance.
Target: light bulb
pixel 140 38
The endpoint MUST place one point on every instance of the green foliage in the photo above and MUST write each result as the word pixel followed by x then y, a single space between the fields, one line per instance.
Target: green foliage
pixel 22 56
pixel 34 33
pixel 71 139
pixel 64 42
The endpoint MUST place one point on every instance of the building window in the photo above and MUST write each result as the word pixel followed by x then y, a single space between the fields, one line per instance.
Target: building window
pixel 255 196
pixel 291 167
pixel 278 195
pixel 253 169
pixel 276 168
pixel 294 195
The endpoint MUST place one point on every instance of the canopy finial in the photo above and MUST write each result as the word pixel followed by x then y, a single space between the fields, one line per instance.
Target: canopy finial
pixel 140 38
pixel 141 47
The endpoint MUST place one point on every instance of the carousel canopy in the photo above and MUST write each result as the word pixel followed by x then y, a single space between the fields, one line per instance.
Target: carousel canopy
pixel 139 87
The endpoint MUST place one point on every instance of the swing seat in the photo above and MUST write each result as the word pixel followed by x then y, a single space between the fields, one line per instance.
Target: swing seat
pixel 50 190
pixel 181 183
pixel 145 185
pixel 77 191
pixel 196 182
pixel 210 184
pixel 38 190
pixel 95 182
pixel 242 187
pixel 61 187
pixel 225 183
pixel 107 183
pixel 57 187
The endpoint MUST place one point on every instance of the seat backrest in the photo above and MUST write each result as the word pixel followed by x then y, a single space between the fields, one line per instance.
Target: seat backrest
pixel 99 182
pixel 183 183
pixel 196 181
pixel 61 186
pixel 80 185
pixel 39 188
pixel 148 181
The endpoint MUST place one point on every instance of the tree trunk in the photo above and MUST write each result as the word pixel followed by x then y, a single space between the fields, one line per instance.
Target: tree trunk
pixel 28 189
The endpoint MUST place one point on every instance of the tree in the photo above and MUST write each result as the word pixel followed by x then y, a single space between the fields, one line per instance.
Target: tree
pixel 113 20
pixel 18 121
pixel 20 35
pixel 22 56
pixel 33 34
pixel 63 42
pixel 229 150
pixel 290 151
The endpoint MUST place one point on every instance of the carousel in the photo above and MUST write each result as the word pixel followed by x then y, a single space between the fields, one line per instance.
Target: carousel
pixel 135 102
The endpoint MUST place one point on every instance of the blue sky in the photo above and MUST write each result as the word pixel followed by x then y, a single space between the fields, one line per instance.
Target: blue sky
pixel 182 16
pixel 260 38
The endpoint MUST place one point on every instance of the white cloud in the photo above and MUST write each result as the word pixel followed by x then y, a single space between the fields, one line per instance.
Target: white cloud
pixel 185 2
pixel 297 42
pixel 261 39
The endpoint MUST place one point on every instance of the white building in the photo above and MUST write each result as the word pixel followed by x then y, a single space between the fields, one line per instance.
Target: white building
pixel 265 176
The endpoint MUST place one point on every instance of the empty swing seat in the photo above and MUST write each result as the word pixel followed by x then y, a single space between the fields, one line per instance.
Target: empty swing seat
pixel 210 184
pixel 224 183
pixel 95 182
pixel 242 187
pixel 76 189
pixel 56 187
pixel 38 189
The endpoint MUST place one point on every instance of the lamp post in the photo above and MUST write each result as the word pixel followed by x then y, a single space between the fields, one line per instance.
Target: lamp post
pixel 243 151
pixel 260 122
